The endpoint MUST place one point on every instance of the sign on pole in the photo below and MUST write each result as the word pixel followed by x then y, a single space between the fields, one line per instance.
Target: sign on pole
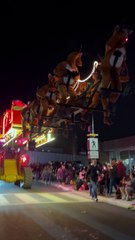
pixel 93 154
pixel 93 148
pixel 93 144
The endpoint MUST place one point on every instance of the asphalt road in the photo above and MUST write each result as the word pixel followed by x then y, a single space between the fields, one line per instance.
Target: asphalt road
pixel 48 213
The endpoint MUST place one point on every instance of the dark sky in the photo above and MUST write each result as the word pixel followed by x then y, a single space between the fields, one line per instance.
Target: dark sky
pixel 35 37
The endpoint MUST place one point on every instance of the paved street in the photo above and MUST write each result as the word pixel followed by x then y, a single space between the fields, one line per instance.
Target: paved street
pixel 59 212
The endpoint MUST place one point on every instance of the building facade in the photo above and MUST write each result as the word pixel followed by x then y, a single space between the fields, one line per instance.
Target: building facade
pixel 123 149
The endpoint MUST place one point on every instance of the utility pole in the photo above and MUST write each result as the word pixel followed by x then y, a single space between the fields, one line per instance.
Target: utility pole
pixel 92 141
pixel 92 124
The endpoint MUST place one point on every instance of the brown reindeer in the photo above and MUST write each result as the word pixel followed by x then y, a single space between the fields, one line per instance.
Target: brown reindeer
pixel 113 66
pixel 29 116
pixel 48 96
pixel 68 73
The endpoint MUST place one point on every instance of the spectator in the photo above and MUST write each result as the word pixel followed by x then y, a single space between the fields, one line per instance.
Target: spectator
pixel 130 187
pixel 60 174
pixel 92 173
pixel 80 179
pixel 121 169
pixel 113 174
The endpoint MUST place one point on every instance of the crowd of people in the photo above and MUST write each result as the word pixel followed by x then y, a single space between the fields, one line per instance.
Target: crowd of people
pixel 99 179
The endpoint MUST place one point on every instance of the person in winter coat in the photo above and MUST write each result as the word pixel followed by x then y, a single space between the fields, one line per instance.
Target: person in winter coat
pixel 113 174
pixel 92 173
pixel 121 169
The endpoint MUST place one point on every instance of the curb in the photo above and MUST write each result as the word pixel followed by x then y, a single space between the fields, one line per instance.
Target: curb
pixel 116 202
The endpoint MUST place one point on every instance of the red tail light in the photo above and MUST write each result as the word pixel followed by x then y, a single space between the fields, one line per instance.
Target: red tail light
pixel 24 160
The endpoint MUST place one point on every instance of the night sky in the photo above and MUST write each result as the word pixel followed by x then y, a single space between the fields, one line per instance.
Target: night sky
pixel 35 37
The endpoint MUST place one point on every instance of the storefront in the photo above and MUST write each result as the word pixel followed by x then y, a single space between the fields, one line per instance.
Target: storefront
pixel 123 149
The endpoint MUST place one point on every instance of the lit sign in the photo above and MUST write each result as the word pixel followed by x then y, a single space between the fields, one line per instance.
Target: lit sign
pixel 44 138
pixel 42 142
pixel 11 135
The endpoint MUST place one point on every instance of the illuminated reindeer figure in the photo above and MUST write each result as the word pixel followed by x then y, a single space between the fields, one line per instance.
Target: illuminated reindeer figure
pixel 29 116
pixel 48 96
pixel 93 92
pixel 68 74
pixel 37 111
pixel 112 67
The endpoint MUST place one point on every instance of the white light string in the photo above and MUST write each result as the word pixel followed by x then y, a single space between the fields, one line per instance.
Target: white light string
pixel 95 65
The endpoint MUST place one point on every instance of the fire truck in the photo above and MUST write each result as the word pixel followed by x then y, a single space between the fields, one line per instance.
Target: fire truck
pixel 14 160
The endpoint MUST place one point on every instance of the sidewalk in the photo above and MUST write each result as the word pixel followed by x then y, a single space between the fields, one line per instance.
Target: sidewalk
pixel 110 200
